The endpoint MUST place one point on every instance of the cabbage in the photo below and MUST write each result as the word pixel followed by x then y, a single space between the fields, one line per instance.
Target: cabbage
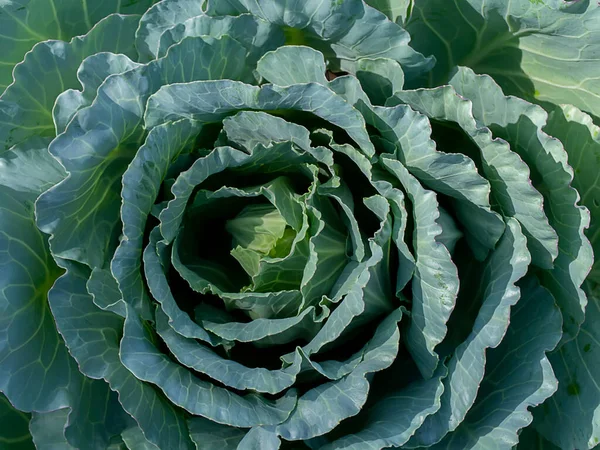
pixel 332 224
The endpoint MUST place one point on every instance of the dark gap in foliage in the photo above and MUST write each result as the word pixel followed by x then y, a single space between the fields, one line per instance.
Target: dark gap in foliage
pixel 353 341
pixel 378 141
pixel 163 348
pixel 293 445
pixel 240 178
pixel 313 122
pixel 208 136
pixel 214 302
pixel 204 238
pixel 400 374
pixel 469 301
pixel 361 188
pixel 449 137
pixel 185 297
pixel 394 265
pixel 249 355
pixel 409 233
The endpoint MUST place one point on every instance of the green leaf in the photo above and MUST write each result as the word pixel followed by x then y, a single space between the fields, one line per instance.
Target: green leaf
pixel 36 372
pixel 502 404
pixel 48 430
pixel 396 10
pixel 203 359
pixel 208 435
pixel 199 397
pixel 148 168
pixel 96 417
pixel 157 20
pixel 260 438
pixel 134 439
pixel 508 175
pixel 537 51
pixel 257 227
pixel 51 68
pixel 92 336
pixel 24 23
pixel 322 408
pixel 29 167
pixel 14 427
pixel 212 101
pixel 292 64
pixel 409 136
pixel 466 369
pixel 393 420
pixel 435 283
pixel 343 31
pixel 91 74
pixel 364 289
pixel 380 78
pixel 254 34
pixel 581 139
pixel 451 234
pixel 529 439
pixel 571 419
pixel 521 124
pixel 108 133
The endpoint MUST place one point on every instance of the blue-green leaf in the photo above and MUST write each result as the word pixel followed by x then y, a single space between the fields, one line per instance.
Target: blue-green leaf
pixel 14 427
pixel 518 375
pixel 51 68
pixel 521 124
pixel 571 418
pixel 24 23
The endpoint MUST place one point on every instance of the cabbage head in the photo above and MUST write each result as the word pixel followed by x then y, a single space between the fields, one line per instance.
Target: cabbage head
pixel 300 224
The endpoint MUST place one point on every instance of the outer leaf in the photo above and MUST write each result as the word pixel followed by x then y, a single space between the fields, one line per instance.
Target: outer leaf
pixel 232 374
pixel 394 419
pixel 14 427
pixel 435 283
pixel 91 74
pixel 322 408
pixel 111 130
pixel 92 336
pixel 395 10
pixel 520 123
pixel 293 64
pixel 260 438
pixel 48 70
pixel 571 418
pixel 581 139
pixel 508 175
pixel 212 101
pixel 534 49
pixel 48 430
pixel 208 435
pixel 518 376
pixel 158 19
pixel 27 22
pixel 96 417
pixel 408 134
pixel 344 31
pixel 199 397
pixel 36 372
pixel 255 35
pixel 380 78
pixel 29 167
pixel 148 169
pixel 505 266
pixel 530 439
pixel 134 439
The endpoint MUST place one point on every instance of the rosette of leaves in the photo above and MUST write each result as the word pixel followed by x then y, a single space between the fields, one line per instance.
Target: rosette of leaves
pixel 260 225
